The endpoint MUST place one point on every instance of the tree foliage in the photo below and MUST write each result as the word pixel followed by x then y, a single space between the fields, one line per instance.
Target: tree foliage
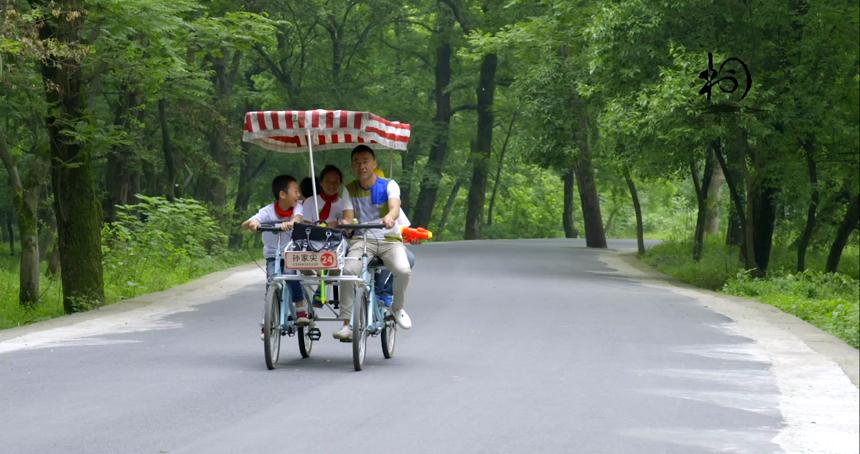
pixel 600 94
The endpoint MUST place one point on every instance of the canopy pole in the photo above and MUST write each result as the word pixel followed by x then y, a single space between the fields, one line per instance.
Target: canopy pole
pixel 313 174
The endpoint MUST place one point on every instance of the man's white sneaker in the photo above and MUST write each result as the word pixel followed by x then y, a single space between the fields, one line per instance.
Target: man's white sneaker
pixel 344 335
pixel 402 319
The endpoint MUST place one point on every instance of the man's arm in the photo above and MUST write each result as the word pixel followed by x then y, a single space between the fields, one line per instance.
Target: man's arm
pixel 393 204
pixel 393 213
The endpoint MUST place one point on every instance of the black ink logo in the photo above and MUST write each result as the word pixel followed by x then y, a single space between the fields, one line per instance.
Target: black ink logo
pixel 713 77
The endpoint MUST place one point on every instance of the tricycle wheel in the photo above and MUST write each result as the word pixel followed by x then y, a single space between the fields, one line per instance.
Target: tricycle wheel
pixel 306 344
pixel 359 332
pixel 271 328
pixel 389 334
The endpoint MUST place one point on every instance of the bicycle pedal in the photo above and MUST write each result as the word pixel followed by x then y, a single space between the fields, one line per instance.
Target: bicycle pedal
pixel 314 334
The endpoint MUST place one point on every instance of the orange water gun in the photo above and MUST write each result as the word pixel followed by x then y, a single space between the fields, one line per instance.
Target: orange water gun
pixel 415 235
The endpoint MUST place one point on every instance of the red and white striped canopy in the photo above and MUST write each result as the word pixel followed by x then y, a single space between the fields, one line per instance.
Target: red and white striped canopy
pixel 287 131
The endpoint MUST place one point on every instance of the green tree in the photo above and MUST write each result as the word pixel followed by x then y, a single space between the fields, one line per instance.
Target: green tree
pixel 24 156
pixel 553 83
pixel 78 215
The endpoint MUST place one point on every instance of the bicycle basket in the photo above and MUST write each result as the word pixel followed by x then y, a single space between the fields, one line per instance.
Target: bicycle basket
pixel 308 237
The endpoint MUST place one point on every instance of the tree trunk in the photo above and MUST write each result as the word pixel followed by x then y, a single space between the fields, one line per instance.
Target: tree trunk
pixel 214 187
pixel 634 195
pixel 432 173
pixel 75 205
pixel 10 234
pixel 117 182
pixel 499 168
pixel 248 171
pixel 49 248
pixel 215 190
pixel 830 210
pixel 612 213
pixel 848 224
pixel 733 175
pixel 336 59
pixel 167 150
pixel 407 170
pixel 734 230
pixel 450 203
pixel 712 220
pixel 567 216
pixel 734 180
pixel 806 237
pixel 763 213
pixel 149 180
pixel 28 227
pixel 123 166
pixel 701 188
pixel 483 146
pixel 595 236
pixel 25 197
pixel 280 66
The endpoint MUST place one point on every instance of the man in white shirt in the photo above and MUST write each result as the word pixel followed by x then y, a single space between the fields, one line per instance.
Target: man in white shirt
pixel 376 200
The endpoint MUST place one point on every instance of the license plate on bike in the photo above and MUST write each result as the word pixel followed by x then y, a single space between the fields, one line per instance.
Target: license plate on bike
pixel 299 260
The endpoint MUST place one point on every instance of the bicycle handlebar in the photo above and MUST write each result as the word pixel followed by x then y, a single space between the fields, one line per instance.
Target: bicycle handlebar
pixel 274 228
pixel 359 226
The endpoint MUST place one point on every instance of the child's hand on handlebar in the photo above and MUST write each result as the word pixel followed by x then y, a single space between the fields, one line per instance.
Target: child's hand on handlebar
pixel 287 226
pixel 253 225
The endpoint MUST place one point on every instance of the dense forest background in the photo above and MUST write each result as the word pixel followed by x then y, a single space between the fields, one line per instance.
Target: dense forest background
pixel 121 120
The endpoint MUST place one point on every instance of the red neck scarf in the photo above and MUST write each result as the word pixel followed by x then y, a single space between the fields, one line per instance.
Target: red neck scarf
pixel 326 209
pixel 283 213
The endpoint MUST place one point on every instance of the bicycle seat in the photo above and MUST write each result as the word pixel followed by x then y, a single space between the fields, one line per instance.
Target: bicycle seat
pixel 376 262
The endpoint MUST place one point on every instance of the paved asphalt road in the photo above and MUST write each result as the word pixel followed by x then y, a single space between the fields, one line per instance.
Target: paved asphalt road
pixel 518 346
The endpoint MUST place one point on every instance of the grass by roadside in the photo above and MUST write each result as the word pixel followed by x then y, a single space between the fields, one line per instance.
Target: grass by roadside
pixel 830 301
pixel 120 283
pixel 152 245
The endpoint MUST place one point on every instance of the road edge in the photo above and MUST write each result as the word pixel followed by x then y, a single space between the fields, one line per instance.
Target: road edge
pixel 131 304
pixel 815 372
pixel 820 341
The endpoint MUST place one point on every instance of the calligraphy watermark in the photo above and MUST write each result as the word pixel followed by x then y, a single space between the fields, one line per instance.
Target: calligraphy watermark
pixel 714 77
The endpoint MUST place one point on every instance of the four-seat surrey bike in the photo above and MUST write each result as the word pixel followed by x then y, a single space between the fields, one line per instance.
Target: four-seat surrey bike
pixel 315 252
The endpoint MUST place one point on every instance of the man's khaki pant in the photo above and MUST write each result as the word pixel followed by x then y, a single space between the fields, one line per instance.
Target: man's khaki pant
pixel 393 254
